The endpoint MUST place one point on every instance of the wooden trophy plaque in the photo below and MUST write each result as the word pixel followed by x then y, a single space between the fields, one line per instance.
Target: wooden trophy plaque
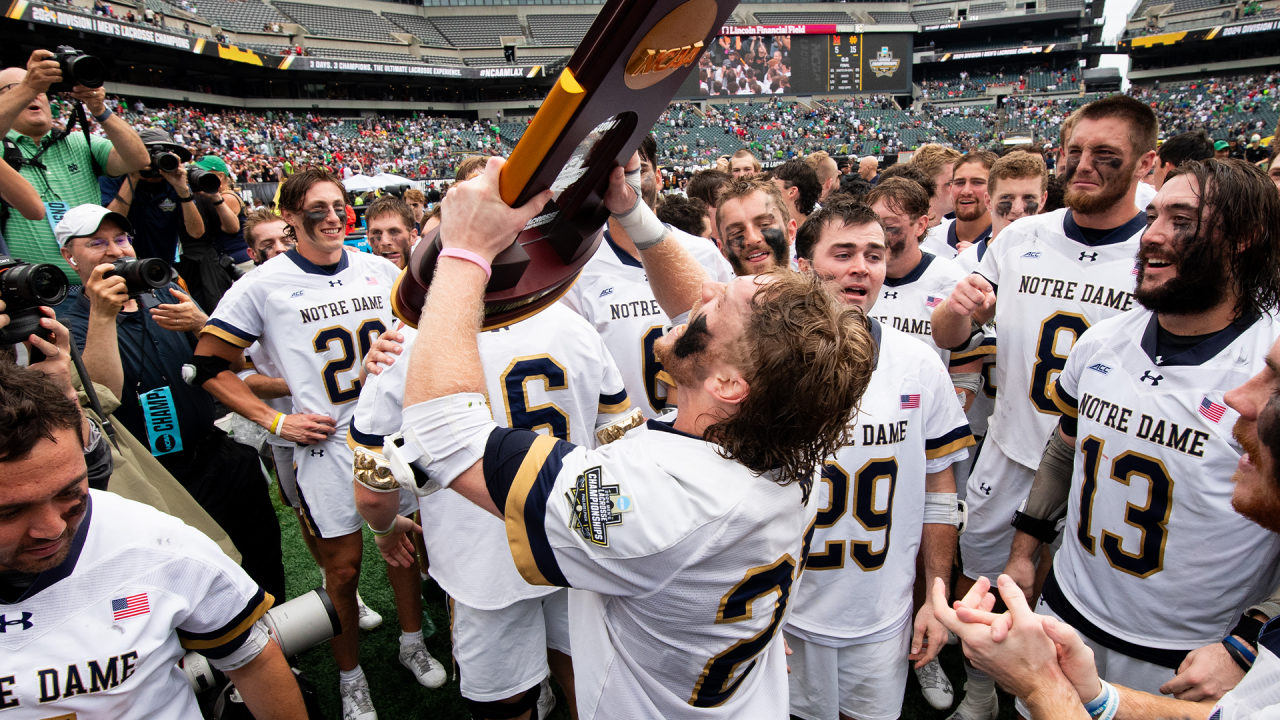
pixel 615 87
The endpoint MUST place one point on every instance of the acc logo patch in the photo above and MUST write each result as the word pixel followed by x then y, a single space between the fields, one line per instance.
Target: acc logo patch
pixel 1099 367
pixel 596 506
pixel 1031 254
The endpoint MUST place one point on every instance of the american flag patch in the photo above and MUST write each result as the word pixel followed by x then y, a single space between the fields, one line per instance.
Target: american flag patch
pixel 1211 410
pixel 371 280
pixel 127 607
pixel 932 301
pixel 910 402
pixel 1134 271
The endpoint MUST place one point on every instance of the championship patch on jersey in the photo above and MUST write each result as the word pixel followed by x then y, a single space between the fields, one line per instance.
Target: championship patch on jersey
pixel 596 506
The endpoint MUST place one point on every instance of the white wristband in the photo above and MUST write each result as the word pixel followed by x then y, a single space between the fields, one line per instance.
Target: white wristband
pixel 642 226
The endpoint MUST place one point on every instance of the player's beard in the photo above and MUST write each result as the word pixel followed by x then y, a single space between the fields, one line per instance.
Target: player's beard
pixel 778 248
pixel 683 357
pixel 1190 292
pixel 1258 498
pixel 969 213
pixel 1115 185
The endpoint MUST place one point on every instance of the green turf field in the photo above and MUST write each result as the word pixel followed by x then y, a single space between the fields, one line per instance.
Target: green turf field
pixel 398 696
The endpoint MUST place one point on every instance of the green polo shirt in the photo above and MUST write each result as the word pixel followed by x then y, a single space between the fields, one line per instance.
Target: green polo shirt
pixel 67 177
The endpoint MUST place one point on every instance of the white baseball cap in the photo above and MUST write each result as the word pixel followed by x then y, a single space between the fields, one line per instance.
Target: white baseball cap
pixel 84 220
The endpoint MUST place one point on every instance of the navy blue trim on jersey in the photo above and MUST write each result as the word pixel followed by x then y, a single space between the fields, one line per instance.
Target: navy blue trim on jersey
pixel 1057 602
pixel 1270 635
pixel 1119 235
pixel 1205 351
pixel 669 427
pixel 995 287
pixel 313 269
pixel 877 334
pixel 225 640
pixel 623 256
pixel 63 571
pixel 958 434
pixel 364 438
pixel 248 338
pixel 614 399
pixel 504 460
pixel 983 246
pixel 926 260
pixel 953 240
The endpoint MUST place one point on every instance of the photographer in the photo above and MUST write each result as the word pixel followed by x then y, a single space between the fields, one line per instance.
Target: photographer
pixel 229 233
pixel 62 167
pixel 160 205
pixel 135 341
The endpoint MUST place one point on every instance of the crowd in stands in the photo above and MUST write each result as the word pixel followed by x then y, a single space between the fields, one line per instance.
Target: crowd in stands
pixel 270 146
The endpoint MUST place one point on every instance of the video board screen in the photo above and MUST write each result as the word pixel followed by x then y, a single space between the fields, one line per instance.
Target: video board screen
pixel 757 65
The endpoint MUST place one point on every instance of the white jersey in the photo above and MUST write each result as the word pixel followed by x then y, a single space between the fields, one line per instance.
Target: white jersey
pixel 1149 520
pixel 550 373
pixel 1054 286
pixel 862 565
pixel 690 558
pixel 906 304
pixel 985 403
pixel 258 362
pixel 935 240
pixel 1146 193
pixel 613 294
pixel 317 326
pixel 101 634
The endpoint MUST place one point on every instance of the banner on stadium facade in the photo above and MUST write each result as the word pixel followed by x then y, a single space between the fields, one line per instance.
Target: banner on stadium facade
pixel 75 19
pixel 1209 33
pixel 1000 52
pixel 789 29
pixel 1018 18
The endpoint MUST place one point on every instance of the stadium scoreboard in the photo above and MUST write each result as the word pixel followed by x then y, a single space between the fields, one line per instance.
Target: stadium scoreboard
pixel 806 63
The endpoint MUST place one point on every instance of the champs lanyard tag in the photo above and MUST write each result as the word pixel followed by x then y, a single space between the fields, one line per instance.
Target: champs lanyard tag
pixel 53 212
pixel 162 421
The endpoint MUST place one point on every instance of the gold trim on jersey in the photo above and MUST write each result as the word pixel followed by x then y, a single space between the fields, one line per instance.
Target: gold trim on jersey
pixel 258 612
pixel 225 336
pixel 517 495
pixel 665 378
pixel 977 352
pixel 964 442
pixel 351 443
pixel 1073 413
pixel 616 408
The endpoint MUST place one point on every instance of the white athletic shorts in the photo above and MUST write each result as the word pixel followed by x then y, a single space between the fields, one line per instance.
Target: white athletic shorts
pixel 1115 667
pixel 865 682
pixel 286 480
pixel 325 473
pixel 997 486
pixel 502 653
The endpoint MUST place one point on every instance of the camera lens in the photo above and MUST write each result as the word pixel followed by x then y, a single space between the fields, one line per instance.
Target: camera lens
pixel 166 161
pixel 203 180
pixel 88 71
pixel 33 285
pixel 153 272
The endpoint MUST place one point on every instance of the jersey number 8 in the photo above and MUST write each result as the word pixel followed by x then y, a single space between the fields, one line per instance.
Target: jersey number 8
pixel 1049 362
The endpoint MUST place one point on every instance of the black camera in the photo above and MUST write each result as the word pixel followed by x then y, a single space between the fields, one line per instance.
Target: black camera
pixel 141 275
pixel 78 69
pixel 24 287
pixel 162 159
pixel 396 190
pixel 202 180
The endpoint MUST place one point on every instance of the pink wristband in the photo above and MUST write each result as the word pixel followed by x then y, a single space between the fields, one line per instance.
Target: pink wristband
pixel 469 257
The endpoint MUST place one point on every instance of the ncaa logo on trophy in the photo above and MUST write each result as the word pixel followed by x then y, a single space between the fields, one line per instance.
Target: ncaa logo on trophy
pixel 885 64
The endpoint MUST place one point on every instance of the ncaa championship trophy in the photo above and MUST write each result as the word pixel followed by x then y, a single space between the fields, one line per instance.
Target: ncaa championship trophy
pixel 614 88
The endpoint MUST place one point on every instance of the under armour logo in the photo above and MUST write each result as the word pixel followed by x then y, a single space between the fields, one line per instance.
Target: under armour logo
pixel 25 622
pixel 985 488
pixel 1091 257
pixel 890 295
pixel 317 453
pixel 335 283
pixel 1148 377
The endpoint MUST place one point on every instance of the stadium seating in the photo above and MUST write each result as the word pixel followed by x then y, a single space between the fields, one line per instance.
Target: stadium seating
pixel 802 18
pixel 420 27
pixel 1056 5
pixel 247 15
pixel 892 18
pixel 477 31
pixel 349 23
pixel 1189 5
pixel 365 55
pixel 559 30
pixel 520 60
pixel 990 8
pixel 935 15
